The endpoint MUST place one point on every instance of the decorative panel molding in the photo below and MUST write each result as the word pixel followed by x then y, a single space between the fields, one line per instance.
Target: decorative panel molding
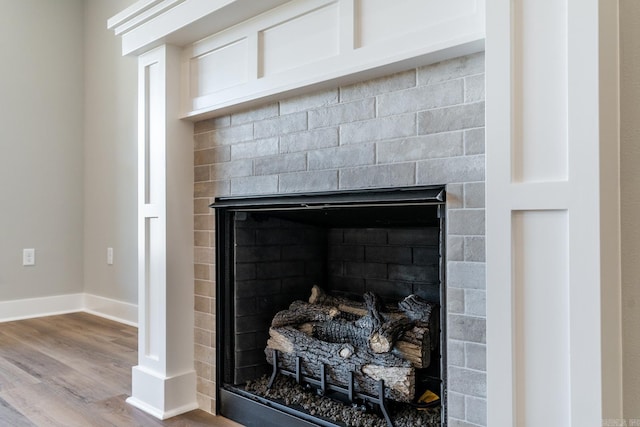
pixel 295 46
pixel 147 24
pixel 164 381
pixel 152 221
pixel 541 299
pixel 220 68
pixel 540 91
pixel 553 233
pixel 308 44
pixel 379 20
pixel 305 39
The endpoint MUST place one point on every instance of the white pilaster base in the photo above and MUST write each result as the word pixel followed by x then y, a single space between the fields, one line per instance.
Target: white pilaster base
pixel 162 397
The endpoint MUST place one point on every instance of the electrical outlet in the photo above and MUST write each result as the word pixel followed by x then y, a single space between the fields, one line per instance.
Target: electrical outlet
pixel 110 256
pixel 29 256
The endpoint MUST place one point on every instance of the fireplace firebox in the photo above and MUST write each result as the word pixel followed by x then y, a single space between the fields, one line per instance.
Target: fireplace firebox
pixel 352 246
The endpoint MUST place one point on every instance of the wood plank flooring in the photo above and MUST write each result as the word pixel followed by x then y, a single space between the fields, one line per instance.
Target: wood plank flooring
pixel 75 370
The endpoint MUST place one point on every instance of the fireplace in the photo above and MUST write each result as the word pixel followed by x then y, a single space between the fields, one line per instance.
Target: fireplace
pixel 272 250
pixel 272 153
pixel 552 124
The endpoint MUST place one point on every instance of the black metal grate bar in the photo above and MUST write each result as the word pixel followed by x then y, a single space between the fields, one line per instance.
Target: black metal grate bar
pixel 322 385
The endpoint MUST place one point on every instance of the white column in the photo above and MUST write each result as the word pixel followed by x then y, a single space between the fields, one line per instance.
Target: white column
pixel 553 277
pixel 164 381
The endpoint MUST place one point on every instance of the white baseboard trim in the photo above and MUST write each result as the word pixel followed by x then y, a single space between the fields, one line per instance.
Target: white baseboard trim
pixel 39 307
pixel 143 406
pixel 29 308
pixel 111 309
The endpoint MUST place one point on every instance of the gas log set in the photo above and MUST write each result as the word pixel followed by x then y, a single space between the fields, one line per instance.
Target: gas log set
pixel 360 351
pixel 371 341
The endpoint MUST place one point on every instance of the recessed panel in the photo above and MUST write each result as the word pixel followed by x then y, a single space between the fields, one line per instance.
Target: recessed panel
pixel 220 68
pixel 379 20
pixel 540 99
pixel 154 287
pixel 154 134
pixel 302 40
pixel 541 318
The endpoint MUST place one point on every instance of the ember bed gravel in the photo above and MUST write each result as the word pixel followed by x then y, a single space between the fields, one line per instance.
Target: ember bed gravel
pixel 287 392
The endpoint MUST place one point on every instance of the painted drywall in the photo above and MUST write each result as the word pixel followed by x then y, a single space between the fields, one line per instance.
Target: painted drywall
pixel 630 200
pixel 68 151
pixel 110 158
pixel 41 147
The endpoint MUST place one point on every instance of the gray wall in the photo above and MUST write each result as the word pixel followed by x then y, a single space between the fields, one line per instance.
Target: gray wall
pixel 41 157
pixel 68 150
pixel 630 197
pixel 110 158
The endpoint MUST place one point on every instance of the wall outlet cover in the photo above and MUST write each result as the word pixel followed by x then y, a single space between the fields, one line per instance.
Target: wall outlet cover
pixel 29 256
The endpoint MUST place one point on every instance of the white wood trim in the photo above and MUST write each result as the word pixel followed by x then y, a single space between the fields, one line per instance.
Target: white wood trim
pixel 586 188
pixel 348 26
pixel 160 395
pixel 208 24
pixel 118 311
pixel 150 23
pixel 152 208
pixel 165 241
pixel 39 307
pixel 310 77
pixel 130 13
pixel 438 38
pixel 158 414
pixel 541 317
pixel 147 11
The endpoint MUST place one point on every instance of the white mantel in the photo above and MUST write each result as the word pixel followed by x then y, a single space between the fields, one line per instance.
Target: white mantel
pixel 336 41
pixel 553 272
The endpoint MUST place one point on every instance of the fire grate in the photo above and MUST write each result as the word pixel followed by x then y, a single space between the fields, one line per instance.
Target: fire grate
pixel 323 386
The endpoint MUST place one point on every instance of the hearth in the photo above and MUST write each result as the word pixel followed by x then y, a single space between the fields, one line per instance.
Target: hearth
pixel 351 246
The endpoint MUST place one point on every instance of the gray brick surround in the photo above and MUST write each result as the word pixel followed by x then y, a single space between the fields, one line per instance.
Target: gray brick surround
pixel 419 127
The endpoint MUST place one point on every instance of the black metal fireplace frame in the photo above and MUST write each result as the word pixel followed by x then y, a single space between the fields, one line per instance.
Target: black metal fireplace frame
pixel 254 411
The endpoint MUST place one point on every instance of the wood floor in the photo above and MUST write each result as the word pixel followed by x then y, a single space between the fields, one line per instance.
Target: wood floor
pixel 74 370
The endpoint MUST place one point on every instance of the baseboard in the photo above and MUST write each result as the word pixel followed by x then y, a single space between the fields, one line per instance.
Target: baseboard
pixel 40 307
pixel 111 309
pixel 159 414
pixel 29 308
